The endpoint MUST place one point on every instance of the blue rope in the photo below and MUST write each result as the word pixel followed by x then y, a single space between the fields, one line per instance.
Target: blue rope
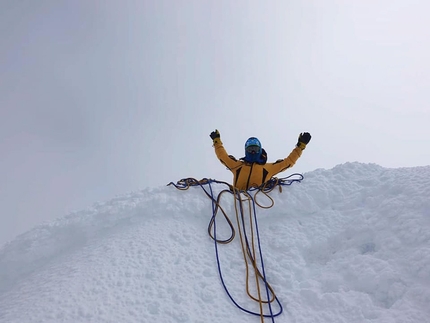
pixel 220 270
pixel 263 269
pixel 266 187
pixel 269 303
pixel 284 181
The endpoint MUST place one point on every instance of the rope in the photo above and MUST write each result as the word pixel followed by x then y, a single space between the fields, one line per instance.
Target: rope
pixel 252 256
pixel 248 245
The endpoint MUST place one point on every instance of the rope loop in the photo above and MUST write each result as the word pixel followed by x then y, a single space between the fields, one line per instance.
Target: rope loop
pixel 247 227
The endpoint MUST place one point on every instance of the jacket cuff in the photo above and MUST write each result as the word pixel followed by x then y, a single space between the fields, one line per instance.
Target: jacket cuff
pixel 217 141
pixel 301 145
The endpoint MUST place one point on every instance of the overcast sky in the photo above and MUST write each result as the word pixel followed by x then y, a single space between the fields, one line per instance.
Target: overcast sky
pixel 100 98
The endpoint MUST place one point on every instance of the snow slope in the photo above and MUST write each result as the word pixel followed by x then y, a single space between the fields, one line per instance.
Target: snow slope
pixel 349 244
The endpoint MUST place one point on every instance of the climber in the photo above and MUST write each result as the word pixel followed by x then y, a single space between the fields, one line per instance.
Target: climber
pixel 253 169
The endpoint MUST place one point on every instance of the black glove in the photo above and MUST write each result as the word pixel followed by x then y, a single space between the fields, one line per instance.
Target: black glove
pixel 304 139
pixel 215 134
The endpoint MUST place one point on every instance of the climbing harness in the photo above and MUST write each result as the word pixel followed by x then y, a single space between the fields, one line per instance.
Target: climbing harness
pixel 247 228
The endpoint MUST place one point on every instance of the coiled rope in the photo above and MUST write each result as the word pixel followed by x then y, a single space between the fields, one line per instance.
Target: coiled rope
pixel 244 225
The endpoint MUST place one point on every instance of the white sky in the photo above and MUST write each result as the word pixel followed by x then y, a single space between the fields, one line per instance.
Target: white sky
pixel 349 244
pixel 102 98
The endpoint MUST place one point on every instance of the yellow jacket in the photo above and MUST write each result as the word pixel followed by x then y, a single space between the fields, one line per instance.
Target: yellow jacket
pixel 247 175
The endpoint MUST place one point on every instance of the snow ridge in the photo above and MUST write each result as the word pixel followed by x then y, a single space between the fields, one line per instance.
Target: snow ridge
pixel 349 244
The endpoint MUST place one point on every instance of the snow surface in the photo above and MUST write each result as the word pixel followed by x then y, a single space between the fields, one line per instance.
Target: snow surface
pixel 350 244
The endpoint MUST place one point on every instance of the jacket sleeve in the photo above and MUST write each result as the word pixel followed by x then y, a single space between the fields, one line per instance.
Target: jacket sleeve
pixel 222 155
pixel 283 164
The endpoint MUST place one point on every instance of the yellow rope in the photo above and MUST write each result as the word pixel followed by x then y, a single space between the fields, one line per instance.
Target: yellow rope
pixel 249 256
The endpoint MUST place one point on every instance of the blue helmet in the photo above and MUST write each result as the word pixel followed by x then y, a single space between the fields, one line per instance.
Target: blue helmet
pixel 252 142
pixel 253 150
